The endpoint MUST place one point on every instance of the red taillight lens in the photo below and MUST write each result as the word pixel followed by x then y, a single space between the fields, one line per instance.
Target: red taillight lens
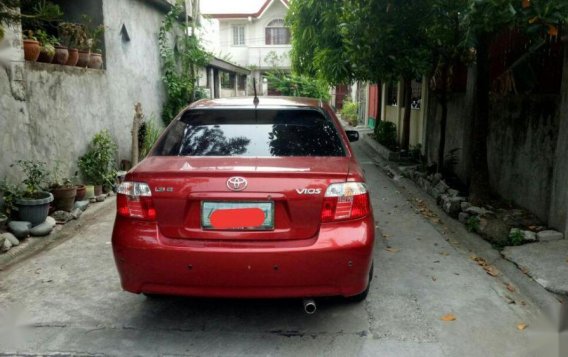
pixel 134 200
pixel 343 201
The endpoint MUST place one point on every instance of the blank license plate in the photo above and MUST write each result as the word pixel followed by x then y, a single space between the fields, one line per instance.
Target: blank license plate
pixel 237 215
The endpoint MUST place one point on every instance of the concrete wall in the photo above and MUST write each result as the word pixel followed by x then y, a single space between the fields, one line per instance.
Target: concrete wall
pixel 523 132
pixel 559 196
pixel 64 107
pixel 255 50
pixel 521 145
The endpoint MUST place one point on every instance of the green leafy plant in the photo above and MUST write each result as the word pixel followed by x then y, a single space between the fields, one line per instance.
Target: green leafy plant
pixel 57 179
pixel 73 35
pixel 472 224
pixel 9 192
pixel 297 85
pixel 35 177
pixel 94 34
pixel 181 54
pixel 385 133
pixel 32 14
pixel 98 165
pixel 516 237
pixel 47 42
pixel 151 134
pixel 349 112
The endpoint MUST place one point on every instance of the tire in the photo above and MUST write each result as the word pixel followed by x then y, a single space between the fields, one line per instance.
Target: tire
pixel 362 296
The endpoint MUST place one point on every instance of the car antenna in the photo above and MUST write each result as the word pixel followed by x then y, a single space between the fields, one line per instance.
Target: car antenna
pixel 255 100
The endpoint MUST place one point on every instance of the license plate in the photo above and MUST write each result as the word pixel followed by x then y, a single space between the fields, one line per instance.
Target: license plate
pixel 237 215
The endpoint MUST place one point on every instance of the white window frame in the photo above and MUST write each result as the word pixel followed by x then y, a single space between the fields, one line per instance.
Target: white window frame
pixel 239 35
pixel 278 25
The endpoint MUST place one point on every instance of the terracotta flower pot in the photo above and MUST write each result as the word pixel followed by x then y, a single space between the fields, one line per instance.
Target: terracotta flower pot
pixel 73 57
pixel 61 55
pixel 81 192
pixel 31 50
pixel 64 198
pixel 84 57
pixel 95 61
pixel 98 190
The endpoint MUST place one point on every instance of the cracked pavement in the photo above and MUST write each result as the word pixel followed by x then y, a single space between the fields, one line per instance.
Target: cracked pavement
pixel 68 301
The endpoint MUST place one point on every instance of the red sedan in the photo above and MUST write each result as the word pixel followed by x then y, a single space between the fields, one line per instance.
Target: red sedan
pixel 247 201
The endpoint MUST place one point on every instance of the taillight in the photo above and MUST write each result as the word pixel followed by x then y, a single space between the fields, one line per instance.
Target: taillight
pixel 343 201
pixel 134 199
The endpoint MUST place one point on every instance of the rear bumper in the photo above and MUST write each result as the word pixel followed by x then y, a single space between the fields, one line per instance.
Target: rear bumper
pixel 337 262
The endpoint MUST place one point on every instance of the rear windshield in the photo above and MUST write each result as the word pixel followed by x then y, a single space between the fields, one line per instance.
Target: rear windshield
pixel 249 132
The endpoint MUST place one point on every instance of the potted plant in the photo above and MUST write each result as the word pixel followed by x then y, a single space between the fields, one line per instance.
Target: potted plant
pixel 98 164
pixel 96 57
pixel 72 34
pixel 47 46
pixel 31 46
pixel 33 203
pixel 63 190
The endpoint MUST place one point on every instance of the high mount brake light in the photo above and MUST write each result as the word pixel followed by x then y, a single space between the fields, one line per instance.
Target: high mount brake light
pixel 134 199
pixel 345 201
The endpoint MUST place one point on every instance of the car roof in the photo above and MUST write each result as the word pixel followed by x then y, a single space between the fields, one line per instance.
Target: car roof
pixel 268 102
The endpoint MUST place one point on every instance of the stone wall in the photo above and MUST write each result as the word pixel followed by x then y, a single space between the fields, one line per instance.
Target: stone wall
pixel 63 107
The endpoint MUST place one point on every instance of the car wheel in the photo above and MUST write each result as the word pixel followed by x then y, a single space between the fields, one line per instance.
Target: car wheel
pixel 362 296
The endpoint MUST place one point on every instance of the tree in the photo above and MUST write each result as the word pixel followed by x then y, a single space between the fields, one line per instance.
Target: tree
pixel 32 12
pixel 181 52
pixel 485 19
pixel 446 35
pixel 317 45
pixel 377 40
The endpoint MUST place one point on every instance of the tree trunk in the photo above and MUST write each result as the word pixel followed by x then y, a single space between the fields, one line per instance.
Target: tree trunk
pixel 406 120
pixel 444 118
pixel 136 121
pixel 379 103
pixel 479 182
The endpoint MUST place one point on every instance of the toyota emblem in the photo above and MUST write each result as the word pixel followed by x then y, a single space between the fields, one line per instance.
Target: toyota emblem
pixel 237 183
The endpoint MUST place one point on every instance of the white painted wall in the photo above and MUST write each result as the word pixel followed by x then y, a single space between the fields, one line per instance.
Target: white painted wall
pixel 218 38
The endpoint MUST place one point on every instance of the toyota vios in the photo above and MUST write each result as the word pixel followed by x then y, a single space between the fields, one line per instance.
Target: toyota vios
pixel 247 201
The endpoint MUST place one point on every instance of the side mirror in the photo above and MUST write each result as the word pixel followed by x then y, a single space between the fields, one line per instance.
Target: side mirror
pixel 353 135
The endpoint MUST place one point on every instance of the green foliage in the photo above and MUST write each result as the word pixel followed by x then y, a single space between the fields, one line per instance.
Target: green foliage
pixel 516 237
pixel 385 133
pixel 98 165
pixel 151 134
pixel 317 45
pixel 298 85
pixel 47 42
pixel 9 193
pixel 73 35
pixel 349 112
pixel 35 176
pixel 180 54
pixel 33 13
pixel 472 224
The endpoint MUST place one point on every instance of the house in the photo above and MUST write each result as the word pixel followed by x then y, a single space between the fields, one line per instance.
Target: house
pixel 250 33
pixel 222 79
pixel 50 112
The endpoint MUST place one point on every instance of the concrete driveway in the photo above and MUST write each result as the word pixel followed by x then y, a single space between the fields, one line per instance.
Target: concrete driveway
pixel 68 301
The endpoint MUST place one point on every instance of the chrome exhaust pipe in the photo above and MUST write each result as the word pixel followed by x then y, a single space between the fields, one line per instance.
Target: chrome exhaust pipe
pixel 310 306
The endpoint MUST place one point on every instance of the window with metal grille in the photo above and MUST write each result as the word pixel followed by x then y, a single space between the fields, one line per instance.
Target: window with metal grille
pixel 277 33
pixel 238 35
